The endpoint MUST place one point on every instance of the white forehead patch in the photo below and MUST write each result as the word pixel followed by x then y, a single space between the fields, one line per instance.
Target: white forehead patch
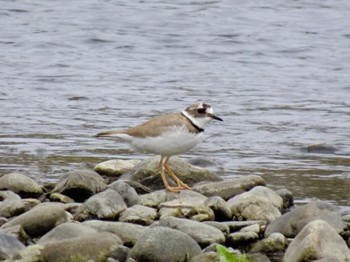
pixel 210 110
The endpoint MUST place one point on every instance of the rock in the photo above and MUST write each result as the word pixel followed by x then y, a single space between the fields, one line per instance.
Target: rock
pixel 222 227
pixel 94 247
pixel 9 246
pixel 274 243
pixel 80 184
pixel 11 204
pixel 237 225
pixel 242 238
pixel 292 222
pixel 32 253
pixel 20 184
pixel 40 219
pixel 161 244
pixel 321 148
pixel 58 197
pixel 286 195
pixel 206 257
pixel 154 199
pixel 17 232
pixel 128 193
pixel 256 228
pixel 317 240
pixel 220 208
pixel 269 194
pixel 138 215
pixel 258 257
pixel 147 173
pixel 203 234
pixel 253 206
pixel 129 233
pixel 116 167
pixel 65 231
pixel 104 205
pixel 201 213
pixel 229 188
pixel 119 254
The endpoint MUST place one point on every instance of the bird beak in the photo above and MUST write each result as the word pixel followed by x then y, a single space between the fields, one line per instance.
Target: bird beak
pixel 215 117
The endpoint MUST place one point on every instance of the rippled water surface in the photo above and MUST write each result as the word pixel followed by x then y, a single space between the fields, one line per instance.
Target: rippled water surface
pixel 278 72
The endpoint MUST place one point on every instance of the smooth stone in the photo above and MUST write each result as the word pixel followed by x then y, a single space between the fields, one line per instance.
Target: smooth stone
pixel 80 184
pixel 317 240
pixel 267 193
pixel 147 173
pixel 9 246
pixel 229 188
pixel 258 257
pixel 40 219
pixel 20 184
pixel 203 234
pixel 207 257
pixel 128 193
pixel 242 238
pixel 104 205
pixel 17 232
pixel 201 213
pixel 11 204
pixel 119 254
pixel 3 220
pixel 58 197
pixel 220 208
pixel 115 167
pixel 274 243
pixel 238 225
pixel 162 244
pixel 249 206
pixel 129 233
pixel 256 228
pixel 287 196
pixel 94 247
pixel 222 227
pixel 153 199
pixel 65 231
pixel 291 223
pixel 31 253
pixel 138 214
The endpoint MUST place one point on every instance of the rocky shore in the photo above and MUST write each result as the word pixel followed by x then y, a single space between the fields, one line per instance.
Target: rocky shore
pixel 119 212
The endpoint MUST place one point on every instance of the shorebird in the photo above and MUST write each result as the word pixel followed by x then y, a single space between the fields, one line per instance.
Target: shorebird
pixel 168 135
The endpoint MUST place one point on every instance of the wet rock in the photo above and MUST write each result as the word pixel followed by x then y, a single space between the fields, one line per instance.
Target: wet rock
pixel 161 244
pixel 317 240
pixel 202 233
pixel 138 214
pixel 80 184
pixel 254 205
pixel 128 193
pixel 207 257
pixel 220 208
pixel 292 222
pixel 274 243
pixel 65 231
pixel 94 247
pixel 242 238
pixel 229 188
pixel 58 197
pixel 40 219
pixel 9 246
pixel 129 233
pixel 11 204
pixel 321 148
pixel 20 184
pixel 104 205
pixel 286 195
pixel 116 167
pixel 147 173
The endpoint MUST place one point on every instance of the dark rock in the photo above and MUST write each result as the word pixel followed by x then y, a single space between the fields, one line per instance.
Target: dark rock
pixel 321 148
pixel 20 184
pixel 161 244
pixel 80 184
pixel 9 246
pixel 128 193
pixel 221 209
pixel 286 195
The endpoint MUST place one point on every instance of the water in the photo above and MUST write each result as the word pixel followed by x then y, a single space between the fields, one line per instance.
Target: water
pixel 277 72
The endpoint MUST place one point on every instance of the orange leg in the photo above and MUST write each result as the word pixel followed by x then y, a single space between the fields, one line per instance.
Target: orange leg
pixel 166 184
pixel 181 185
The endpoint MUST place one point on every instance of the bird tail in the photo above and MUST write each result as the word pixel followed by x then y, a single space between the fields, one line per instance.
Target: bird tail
pixel 109 133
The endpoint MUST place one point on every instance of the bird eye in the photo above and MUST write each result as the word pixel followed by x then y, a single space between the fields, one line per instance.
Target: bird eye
pixel 201 110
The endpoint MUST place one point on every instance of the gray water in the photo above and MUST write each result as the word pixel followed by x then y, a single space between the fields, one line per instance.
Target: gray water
pixel 278 72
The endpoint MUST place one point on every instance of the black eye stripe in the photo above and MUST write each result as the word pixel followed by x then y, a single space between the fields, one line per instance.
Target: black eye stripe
pixel 201 110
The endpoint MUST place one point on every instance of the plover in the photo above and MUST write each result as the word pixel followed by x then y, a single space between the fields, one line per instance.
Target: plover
pixel 168 135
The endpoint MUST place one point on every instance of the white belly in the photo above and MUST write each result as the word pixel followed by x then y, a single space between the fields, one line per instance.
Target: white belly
pixel 170 143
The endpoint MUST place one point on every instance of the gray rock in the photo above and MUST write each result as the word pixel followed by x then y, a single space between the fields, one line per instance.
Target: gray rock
pixel 292 222
pixel 222 227
pixel 138 214
pixel 129 233
pixel 256 228
pixel 20 184
pixel 286 195
pixel 104 205
pixel 238 225
pixel 115 167
pixel 242 238
pixel 40 219
pixel 128 193
pixel 206 257
pixel 147 173
pixel 229 188
pixel 220 208
pixel 161 244
pixel 203 234
pixel 9 246
pixel 17 232
pixel 66 231
pixel 11 204
pixel 31 253
pixel 250 206
pixel 267 193
pixel 154 199
pixel 258 257
pixel 274 243
pixel 119 254
pixel 94 247
pixel 80 184
pixel 317 240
